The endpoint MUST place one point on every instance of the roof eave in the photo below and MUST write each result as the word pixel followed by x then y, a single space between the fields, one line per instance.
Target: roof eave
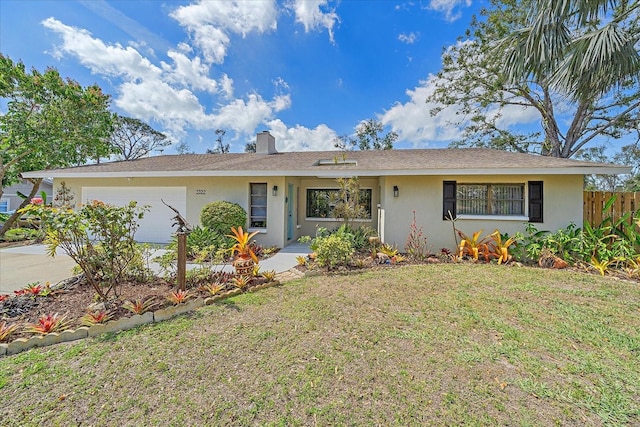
pixel 333 173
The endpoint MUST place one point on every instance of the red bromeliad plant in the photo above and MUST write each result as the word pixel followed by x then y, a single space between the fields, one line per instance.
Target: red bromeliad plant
pixel 33 289
pixel 139 306
pixel 6 330
pixel 95 317
pixel 179 296
pixel 48 323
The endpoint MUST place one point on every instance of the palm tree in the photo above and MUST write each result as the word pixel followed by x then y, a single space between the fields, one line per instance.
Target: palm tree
pixel 582 48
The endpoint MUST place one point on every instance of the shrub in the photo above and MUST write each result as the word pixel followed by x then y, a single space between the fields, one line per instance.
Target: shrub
pixel 604 242
pixel 21 233
pixel 334 250
pixel 346 202
pixel 202 239
pixel 221 216
pixel 359 237
pixel 99 238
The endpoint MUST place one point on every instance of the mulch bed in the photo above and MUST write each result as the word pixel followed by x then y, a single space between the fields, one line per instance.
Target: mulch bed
pixel 74 297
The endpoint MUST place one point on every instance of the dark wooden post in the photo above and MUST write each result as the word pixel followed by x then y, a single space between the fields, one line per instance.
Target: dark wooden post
pixel 183 230
pixel 182 260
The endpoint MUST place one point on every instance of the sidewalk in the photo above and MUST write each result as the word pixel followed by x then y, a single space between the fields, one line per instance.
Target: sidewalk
pixel 21 265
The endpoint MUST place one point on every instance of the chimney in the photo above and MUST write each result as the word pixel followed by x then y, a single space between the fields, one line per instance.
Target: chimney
pixel 265 143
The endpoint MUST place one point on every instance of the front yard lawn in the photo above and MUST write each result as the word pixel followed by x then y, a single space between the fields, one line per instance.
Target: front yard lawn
pixel 445 344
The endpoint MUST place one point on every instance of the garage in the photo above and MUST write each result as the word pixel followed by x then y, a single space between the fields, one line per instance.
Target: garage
pixel 157 224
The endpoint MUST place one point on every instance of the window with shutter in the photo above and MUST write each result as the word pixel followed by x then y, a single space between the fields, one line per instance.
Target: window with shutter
pixel 449 200
pixel 535 201
pixel 489 199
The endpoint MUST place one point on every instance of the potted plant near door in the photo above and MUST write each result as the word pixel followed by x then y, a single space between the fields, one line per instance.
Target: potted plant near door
pixel 245 257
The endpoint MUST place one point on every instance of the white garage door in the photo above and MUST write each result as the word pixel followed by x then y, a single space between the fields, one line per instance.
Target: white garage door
pixel 156 226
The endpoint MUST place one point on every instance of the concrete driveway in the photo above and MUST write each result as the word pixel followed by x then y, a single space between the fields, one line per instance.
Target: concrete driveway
pixel 22 265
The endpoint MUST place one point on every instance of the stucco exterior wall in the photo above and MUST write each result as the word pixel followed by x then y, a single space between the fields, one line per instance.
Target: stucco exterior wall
pixel 201 191
pixel 562 205
pixel 391 215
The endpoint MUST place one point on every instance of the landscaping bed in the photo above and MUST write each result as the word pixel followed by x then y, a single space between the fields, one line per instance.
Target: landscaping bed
pixel 73 299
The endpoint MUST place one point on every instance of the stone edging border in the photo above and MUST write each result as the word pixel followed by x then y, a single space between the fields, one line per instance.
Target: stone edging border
pixel 23 344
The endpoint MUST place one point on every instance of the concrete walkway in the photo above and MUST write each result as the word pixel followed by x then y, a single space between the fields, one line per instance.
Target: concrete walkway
pixel 21 265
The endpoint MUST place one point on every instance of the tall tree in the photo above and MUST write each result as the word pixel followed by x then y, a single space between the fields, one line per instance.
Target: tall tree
pixel 132 138
pixel 184 148
pixel 574 65
pixel 50 122
pixel 367 137
pixel 221 147
pixel 250 147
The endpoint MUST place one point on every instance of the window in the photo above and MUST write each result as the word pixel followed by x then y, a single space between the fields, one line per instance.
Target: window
pixel 4 205
pixel 258 205
pixel 320 202
pixel 492 200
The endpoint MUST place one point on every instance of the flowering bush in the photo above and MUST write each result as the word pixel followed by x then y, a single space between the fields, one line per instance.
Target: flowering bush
pixel 416 245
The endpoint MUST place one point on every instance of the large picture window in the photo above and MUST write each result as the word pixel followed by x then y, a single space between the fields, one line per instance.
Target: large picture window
pixel 258 205
pixel 321 202
pixel 490 199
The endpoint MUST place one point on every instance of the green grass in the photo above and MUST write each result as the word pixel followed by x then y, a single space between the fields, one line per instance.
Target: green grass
pixel 418 345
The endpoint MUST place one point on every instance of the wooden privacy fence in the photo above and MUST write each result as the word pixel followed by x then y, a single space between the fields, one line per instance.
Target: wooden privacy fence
pixel 594 203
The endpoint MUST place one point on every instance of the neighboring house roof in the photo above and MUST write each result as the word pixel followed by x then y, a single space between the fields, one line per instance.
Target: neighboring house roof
pixel 446 161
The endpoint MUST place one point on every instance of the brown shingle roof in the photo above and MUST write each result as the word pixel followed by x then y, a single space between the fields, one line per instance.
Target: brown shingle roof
pixel 391 162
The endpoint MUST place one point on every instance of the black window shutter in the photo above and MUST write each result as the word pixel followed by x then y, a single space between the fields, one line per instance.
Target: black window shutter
pixel 448 199
pixel 535 201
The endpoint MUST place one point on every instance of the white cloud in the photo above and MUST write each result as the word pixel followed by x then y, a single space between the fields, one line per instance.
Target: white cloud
pixel 155 100
pixel 300 138
pixel 211 23
pixel 410 38
pixel 245 115
pixel 447 7
pixel 165 94
pixel 226 84
pixel 281 84
pixel 114 60
pixel 189 72
pixel 311 15
pixel 413 121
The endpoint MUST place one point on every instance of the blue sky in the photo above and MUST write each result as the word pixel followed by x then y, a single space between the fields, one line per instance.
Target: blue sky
pixel 305 70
